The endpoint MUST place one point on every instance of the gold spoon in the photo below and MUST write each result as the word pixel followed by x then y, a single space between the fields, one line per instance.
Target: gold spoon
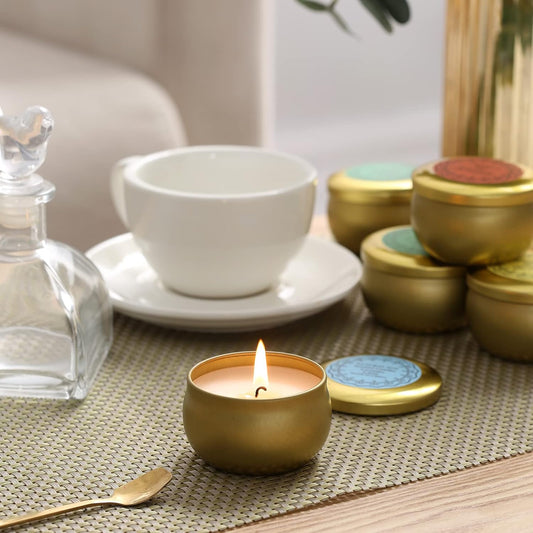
pixel 137 491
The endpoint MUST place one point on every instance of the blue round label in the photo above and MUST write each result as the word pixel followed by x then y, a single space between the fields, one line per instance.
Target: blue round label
pixel 405 241
pixel 374 371
pixel 380 172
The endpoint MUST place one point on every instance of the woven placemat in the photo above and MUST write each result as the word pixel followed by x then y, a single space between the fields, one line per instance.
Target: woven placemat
pixel 131 422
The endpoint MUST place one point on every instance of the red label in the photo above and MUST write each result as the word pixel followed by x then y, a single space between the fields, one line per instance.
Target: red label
pixel 478 170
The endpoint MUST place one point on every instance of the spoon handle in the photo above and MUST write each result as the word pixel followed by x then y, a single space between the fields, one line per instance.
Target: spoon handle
pixel 38 515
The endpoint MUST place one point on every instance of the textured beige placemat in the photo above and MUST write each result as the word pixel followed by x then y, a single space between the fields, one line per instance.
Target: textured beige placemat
pixel 131 422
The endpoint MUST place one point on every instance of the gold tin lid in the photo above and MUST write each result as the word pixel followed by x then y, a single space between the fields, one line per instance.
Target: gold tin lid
pixel 509 282
pixel 381 385
pixel 397 250
pixel 373 183
pixel 480 181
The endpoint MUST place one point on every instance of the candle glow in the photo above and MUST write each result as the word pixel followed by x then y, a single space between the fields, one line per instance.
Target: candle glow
pixel 260 367
pixel 257 381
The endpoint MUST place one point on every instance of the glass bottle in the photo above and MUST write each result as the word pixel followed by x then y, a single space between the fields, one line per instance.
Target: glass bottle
pixel 55 312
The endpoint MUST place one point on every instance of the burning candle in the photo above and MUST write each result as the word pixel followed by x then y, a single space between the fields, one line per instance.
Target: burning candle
pixel 260 381
pixel 257 413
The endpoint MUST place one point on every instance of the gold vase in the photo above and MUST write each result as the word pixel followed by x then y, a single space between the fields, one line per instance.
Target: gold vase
pixel 488 101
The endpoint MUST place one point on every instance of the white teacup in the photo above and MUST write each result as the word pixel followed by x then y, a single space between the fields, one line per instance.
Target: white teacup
pixel 216 221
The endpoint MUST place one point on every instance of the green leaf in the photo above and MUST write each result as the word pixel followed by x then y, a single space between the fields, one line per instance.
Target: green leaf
pixel 398 9
pixel 315 6
pixel 379 13
pixel 340 21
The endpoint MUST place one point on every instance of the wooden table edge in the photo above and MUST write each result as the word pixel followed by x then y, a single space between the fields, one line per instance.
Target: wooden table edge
pixel 494 496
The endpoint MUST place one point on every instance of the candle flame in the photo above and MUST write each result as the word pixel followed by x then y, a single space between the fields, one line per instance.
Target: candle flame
pixel 260 367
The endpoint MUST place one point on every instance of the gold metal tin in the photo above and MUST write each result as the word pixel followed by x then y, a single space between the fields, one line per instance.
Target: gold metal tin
pixel 381 385
pixel 359 206
pixel 406 289
pixel 500 308
pixel 257 436
pixel 486 218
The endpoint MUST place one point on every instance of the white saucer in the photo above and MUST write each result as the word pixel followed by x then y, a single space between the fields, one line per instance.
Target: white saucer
pixel 321 274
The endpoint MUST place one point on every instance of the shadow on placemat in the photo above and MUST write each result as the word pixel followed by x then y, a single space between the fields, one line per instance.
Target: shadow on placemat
pixel 55 452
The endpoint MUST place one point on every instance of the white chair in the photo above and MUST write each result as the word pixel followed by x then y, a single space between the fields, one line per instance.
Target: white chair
pixel 125 77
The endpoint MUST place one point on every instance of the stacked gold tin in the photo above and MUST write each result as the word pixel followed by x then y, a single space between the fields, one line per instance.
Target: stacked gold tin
pixel 366 198
pixel 473 210
pixel 466 212
pixel 500 308
pixel 406 289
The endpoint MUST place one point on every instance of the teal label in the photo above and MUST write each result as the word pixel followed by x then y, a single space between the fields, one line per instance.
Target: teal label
pixel 405 241
pixel 374 371
pixel 380 172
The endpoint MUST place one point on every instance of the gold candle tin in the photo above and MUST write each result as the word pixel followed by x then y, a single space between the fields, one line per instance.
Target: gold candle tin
pixel 500 308
pixel 252 435
pixel 381 385
pixel 473 210
pixel 366 198
pixel 405 289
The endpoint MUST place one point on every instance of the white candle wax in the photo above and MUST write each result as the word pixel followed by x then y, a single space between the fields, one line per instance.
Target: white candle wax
pixel 237 382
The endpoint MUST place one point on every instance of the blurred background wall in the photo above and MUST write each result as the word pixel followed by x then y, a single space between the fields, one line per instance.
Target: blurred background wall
pixel 342 100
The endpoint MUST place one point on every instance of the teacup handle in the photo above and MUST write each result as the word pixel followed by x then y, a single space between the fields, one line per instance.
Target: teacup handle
pixel 117 186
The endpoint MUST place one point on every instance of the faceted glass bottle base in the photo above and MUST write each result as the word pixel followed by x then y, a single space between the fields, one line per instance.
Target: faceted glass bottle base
pixel 32 363
pixel 55 324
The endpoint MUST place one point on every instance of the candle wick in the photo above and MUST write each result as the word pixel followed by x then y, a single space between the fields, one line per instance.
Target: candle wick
pixel 258 389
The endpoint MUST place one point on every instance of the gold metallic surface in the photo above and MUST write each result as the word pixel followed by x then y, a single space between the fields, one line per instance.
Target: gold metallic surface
pixel 471 223
pixel 500 308
pixel 504 329
pixel 411 293
pixel 385 259
pixel 254 436
pixel 509 282
pixel 471 235
pixel 135 492
pixel 414 305
pixel 350 223
pixel 359 207
pixel 488 109
pixel 407 399
pixel 363 191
